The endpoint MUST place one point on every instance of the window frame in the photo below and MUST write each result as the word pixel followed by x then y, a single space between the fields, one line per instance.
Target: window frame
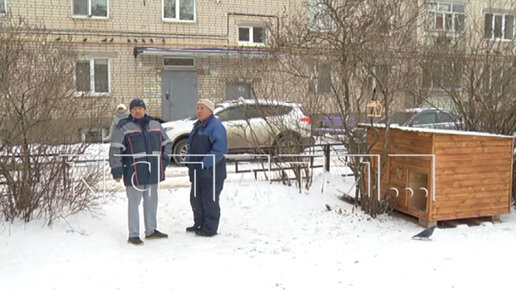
pixel 494 75
pixel 2 14
pixel 493 21
pixel 380 72
pixel 86 132
pixel 433 74
pixel 89 15
pixel 228 109
pixel 251 29
pixel 165 58
pixel 320 78
pixel 231 86
pixel 178 12
pixel 318 19
pixel 92 91
pixel 432 20
pixel 386 17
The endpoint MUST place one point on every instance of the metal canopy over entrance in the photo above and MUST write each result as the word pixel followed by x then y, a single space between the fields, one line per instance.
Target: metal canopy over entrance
pixel 206 51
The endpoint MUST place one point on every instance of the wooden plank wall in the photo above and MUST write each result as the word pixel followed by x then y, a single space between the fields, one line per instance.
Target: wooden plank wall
pixel 473 173
pixel 396 171
pixel 473 176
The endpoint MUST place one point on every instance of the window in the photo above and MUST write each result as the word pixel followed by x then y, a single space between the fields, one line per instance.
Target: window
pixel 93 135
pixel 179 10
pixel 251 111
pixel 238 90
pixel 379 76
pixel 320 78
pixel 384 14
pixel 90 8
pixel 425 118
pixel 442 75
pixel 2 7
pixel 178 62
pixel 251 35
pixel 3 75
pixel 231 114
pixel 496 77
pixel 274 110
pixel 499 26
pixel 448 17
pixel 92 76
pixel 318 16
pixel 445 117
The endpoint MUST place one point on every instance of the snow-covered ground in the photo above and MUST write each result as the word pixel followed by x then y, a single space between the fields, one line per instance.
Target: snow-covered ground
pixel 270 237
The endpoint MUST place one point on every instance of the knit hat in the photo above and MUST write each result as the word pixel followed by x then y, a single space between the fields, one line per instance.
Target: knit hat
pixel 137 103
pixel 121 106
pixel 207 103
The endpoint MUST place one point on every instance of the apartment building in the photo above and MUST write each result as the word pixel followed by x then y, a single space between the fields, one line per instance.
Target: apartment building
pixel 173 52
pixel 492 19
pixel 168 52
pixel 483 29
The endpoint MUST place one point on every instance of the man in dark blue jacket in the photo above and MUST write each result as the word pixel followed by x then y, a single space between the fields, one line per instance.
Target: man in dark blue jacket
pixel 138 153
pixel 207 144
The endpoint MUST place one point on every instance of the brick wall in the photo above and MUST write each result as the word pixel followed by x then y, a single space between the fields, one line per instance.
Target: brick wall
pixel 139 23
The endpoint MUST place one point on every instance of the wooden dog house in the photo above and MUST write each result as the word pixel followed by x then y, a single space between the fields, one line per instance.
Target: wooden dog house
pixel 473 172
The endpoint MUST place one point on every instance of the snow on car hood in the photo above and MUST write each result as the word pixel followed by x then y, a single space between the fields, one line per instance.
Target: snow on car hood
pixel 179 124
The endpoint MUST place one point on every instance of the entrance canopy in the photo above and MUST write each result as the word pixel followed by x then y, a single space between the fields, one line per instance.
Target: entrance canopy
pixel 204 51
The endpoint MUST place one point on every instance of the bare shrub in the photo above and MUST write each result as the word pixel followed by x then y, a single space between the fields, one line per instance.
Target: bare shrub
pixel 38 125
pixel 345 55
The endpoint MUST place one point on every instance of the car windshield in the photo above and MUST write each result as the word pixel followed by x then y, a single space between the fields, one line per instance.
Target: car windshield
pixel 194 116
pixel 399 117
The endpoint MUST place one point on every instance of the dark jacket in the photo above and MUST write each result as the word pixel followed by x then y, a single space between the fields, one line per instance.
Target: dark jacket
pixel 137 139
pixel 209 139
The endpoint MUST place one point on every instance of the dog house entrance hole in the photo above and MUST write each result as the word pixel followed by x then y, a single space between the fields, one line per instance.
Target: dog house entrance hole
pixel 416 182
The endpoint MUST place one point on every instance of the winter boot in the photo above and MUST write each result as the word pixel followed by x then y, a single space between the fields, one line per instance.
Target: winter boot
pixel 135 241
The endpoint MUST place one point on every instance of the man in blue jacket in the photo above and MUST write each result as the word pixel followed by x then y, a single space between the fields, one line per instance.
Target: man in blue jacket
pixel 138 154
pixel 207 144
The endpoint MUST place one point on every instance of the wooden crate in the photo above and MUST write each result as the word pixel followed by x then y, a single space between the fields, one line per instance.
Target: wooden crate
pixel 473 172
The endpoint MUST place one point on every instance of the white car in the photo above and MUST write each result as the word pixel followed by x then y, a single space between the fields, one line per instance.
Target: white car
pixel 251 126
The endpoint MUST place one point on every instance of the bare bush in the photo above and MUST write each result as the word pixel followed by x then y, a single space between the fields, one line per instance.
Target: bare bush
pixel 38 125
pixel 476 78
pixel 345 55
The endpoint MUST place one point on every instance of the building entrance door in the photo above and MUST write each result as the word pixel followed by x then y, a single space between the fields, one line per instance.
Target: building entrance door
pixel 179 94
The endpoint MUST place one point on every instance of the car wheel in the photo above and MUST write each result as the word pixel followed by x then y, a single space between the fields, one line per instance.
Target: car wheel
pixel 179 150
pixel 288 143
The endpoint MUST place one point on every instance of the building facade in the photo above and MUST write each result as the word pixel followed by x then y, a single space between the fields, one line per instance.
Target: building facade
pixel 173 52
pixel 472 43
pixel 170 53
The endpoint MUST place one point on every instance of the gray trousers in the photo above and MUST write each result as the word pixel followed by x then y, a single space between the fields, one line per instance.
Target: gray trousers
pixel 150 207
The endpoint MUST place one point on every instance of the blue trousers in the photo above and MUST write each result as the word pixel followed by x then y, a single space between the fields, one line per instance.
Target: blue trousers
pixel 205 206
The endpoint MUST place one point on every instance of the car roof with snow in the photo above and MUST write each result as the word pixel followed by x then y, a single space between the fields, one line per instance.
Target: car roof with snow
pixel 231 103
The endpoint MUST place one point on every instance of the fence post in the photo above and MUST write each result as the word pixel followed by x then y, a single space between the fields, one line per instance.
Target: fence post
pixel 326 150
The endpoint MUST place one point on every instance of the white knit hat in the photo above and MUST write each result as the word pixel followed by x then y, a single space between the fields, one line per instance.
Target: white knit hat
pixel 207 103
pixel 121 106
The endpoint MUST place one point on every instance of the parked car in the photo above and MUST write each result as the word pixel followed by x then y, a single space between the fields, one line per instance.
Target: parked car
pixel 332 124
pixel 424 118
pixel 252 126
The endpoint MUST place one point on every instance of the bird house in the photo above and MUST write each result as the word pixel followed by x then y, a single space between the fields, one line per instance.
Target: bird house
pixel 374 109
